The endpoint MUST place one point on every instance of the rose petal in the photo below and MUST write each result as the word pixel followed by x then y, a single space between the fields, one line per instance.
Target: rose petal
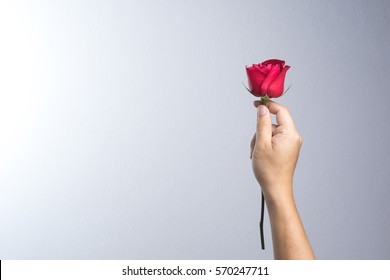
pixel 255 79
pixel 268 80
pixel 276 87
pixel 274 62
pixel 264 69
pixel 268 68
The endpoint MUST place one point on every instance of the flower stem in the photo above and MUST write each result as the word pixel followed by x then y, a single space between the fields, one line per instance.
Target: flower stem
pixel 261 222
pixel 264 100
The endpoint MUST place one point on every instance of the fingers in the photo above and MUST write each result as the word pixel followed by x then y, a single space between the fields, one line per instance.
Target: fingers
pixel 257 103
pixel 264 125
pixel 253 141
pixel 252 145
pixel 283 116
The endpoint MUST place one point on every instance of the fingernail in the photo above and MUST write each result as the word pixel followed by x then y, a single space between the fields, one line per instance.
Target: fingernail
pixel 262 110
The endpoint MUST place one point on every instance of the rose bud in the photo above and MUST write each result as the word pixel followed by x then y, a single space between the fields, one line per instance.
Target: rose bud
pixel 267 78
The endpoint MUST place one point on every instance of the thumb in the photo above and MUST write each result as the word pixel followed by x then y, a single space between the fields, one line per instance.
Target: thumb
pixel 264 125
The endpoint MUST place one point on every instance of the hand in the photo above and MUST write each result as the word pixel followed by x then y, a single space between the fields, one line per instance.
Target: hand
pixel 274 153
pixel 275 150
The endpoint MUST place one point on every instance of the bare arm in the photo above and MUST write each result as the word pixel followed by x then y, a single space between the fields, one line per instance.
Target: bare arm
pixel 274 153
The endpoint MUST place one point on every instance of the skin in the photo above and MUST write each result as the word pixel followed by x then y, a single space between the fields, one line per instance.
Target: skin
pixel 274 153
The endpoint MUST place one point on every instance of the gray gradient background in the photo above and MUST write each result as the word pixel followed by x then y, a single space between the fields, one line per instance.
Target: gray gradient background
pixel 125 128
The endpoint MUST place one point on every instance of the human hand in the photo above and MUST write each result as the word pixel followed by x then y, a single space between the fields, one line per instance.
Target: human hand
pixel 275 150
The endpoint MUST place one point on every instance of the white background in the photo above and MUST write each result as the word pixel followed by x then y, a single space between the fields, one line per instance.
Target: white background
pixel 125 127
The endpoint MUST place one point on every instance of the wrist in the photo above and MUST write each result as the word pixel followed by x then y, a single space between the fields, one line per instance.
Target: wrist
pixel 281 209
pixel 278 197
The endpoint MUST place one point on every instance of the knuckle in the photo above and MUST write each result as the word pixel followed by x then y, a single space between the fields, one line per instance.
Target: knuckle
pixel 283 108
pixel 295 137
pixel 282 130
pixel 262 127
pixel 298 139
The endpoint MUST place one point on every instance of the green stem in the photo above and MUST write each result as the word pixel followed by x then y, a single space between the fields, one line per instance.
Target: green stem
pixel 264 100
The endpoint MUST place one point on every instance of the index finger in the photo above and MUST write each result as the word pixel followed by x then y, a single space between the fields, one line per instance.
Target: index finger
pixel 283 116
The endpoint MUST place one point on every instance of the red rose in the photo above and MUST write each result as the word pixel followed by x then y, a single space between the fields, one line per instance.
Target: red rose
pixel 267 78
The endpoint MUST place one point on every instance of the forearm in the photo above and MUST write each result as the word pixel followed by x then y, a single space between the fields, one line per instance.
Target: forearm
pixel 288 234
